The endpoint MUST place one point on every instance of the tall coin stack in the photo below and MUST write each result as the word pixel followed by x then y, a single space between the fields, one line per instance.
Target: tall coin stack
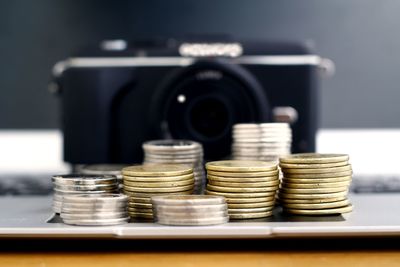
pixel 73 184
pixel 190 210
pixel 141 182
pixel 261 141
pixel 315 184
pixel 178 152
pixel 95 210
pixel 248 186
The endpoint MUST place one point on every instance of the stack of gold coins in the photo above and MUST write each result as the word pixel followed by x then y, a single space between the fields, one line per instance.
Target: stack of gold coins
pixel 74 184
pixel 141 182
pixel 178 152
pixel 261 141
pixel 190 210
pixel 248 186
pixel 315 184
pixel 95 210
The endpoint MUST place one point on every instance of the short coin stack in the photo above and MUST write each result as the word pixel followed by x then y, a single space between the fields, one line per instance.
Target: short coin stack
pixel 178 152
pixel 103 169
pixel 261 141
pixel 315 184
pixel 95 210
pixel 141 182
pixel 248 186
pixel 73 184
pixel 190 210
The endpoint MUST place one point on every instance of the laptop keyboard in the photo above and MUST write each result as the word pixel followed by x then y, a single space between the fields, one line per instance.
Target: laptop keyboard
pixel 41 184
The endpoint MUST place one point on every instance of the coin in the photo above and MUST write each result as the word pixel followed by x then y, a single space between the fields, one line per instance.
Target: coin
pixel 136 209
pixel 85 198
pixel 97 187
pixel 318 170
pixel 243 174
pixel 313 166
pixel 241 189
pixel 314 158
pixel 238 216
pixel 83 179
pixel 97 222
pixel 312 201
pixel 159 178
pixel 160 184
pixel 68 192
pixel 251 205
pixel 157 170
pixel 190 208
pixel 188 200
pixel 312 196
pixel 317 180
pixel 249 210
pixel 171 145
pixel 313 190
pixel 193 222
pixel 95 206
pixel 191 215
pixel 140 200
pixel 315 185
pixel 330 211
pixel 242 179
pixel 244 184
pixel 241 195
pixel 93 216
pixel 103 169
pixel 310 206
pixel 318 175
pixel 141 215
pixel 158 189
pixel 148 194
pixel 249 200
pixel 139 205
pixel 240 166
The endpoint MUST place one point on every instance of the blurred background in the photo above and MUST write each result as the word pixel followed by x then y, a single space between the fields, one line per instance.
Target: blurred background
pixel 360 36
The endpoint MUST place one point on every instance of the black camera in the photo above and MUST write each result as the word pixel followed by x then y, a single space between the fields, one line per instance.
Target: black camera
pixel 121 94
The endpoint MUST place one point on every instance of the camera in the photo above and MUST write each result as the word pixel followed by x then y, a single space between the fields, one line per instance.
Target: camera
pixel 119 94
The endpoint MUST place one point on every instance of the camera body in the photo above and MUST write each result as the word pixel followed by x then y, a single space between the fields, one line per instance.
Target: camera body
pixel 116 97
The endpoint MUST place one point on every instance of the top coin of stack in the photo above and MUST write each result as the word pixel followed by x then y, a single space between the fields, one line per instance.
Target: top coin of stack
pixel 178 152
pixel 190 210
pixel 261 141
pixel 248 186
pixel 73 184
pixel 141 182
pixel 315 184
pixel 104 169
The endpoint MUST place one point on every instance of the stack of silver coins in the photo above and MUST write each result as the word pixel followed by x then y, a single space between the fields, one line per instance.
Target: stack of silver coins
pixel 261 141
pixel 103 169
pixel 73 184
pixel 248 186
pixel 95 210
pixel 178 152
pixel 141 182
pixel 315 184
pixel 190 210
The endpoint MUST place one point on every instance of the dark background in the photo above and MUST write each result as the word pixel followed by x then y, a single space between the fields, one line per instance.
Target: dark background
pixel 361 36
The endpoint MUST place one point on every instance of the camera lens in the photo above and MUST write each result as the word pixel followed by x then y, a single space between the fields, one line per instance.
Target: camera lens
pixel 203 101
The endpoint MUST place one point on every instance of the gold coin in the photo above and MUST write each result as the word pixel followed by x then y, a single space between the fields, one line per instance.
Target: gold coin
pixel 243 184
pixel 158 189
pixel 283 195
pixel 318 171
pixel 139 205
pixel 141 215
pixel 316 206
pixel 243 174
pixel 240 189
pixel 146 200
pixel 157 170
pixel 317 175
pixel 250 200
pixel 160 184
pixel 313 166
pixel 241 166
pixel 146 179
pixel 250 210
pixel 313 190
pixel 241 195
pixel 311 201
pixel 313 158
pixel 251 205
pixel 317 180
pixel 143 210
pixel 331 211
pixel 242 179
pixel 315 185
pixel 239 216
pixel 148 195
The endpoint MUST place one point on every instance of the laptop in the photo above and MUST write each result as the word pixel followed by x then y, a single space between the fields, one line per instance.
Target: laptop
pixel 26 195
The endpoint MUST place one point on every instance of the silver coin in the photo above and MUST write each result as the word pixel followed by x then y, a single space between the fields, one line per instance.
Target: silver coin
pixel 190 208
pixel 90 198
pixel 67 192
pixel 97 222
pixel 185 200
pixel 171 145
pixel 190 215
pixel 95 205
pixel 84 179
pixel 86 187
pixel 93 216
pixel 193 222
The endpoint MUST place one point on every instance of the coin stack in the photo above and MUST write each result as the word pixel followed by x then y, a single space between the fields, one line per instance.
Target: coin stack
pixel 104 169
pixel 248 186
pixel 190 210
pixel 73 184
pixel 315 184
pixel 178 152
pixel 141 182
pixel 95 210
pixel 261 141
